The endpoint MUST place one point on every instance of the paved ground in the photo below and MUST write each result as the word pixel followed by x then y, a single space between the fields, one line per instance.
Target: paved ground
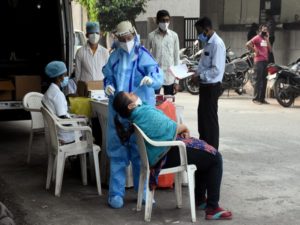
pixel 260 147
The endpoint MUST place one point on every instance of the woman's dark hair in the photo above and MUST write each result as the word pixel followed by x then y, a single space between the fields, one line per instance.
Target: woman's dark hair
pixel 120 104
pixel 161 13
pixel 204 23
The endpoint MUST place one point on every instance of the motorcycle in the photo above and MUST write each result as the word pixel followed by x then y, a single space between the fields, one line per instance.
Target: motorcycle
pixel 285 81
pixel 190 84
pixel 237 72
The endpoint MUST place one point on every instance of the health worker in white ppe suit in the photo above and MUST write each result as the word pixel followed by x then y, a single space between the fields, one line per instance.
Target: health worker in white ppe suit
pixel 55 100
pixel 130 68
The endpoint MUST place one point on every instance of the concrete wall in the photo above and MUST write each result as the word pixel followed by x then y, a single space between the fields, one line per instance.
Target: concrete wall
pixel 186 8
pixel 79 16
pixel 178 9
pixel 145 27
pixel 286 47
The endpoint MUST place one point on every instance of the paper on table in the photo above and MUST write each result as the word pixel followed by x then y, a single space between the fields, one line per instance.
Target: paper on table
pixel 97 95
pixel 180 71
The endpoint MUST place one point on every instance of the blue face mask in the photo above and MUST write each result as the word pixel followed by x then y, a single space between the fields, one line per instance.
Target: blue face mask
pixel 65 82
pixel 202 37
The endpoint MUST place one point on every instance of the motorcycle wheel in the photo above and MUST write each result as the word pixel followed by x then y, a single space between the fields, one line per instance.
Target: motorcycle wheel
pixel 191 86
pixel 283 97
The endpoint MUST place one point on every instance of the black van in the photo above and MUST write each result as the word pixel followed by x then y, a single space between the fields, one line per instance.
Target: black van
pixel 34 32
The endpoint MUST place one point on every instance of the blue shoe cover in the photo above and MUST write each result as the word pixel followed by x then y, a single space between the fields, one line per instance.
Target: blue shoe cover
pixel 116 202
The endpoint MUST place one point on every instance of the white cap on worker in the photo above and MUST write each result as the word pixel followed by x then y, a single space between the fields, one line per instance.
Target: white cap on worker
pixel 124 28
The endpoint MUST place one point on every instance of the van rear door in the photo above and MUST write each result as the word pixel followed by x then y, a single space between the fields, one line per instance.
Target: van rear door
pixel 67 31
pixel 34 32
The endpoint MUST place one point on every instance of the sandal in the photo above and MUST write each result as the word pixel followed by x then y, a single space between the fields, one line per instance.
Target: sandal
pixel 218 214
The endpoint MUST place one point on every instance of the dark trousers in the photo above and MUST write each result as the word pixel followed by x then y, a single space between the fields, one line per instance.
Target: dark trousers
pixel 208 175
pixel 168 90
pixel 260 81
pixel 208 123
pixel 97 131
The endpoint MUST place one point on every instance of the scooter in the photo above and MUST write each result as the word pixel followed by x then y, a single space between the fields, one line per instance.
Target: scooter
pixel 285 81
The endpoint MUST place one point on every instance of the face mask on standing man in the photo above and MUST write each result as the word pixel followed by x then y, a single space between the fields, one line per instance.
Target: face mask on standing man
pixel 164 26
pixel 203 37
pixel 94 38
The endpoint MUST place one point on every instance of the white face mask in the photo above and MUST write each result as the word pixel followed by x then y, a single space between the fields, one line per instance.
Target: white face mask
pixel 164 26
pixel 127 46
pixel 94 38
pixel 138 102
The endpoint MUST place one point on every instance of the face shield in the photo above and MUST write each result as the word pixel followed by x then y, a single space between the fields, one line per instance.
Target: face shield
pixel 127 36
pixel 124 28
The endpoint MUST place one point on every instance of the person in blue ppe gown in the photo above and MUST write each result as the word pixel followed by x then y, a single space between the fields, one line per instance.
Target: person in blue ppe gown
pixel 130 68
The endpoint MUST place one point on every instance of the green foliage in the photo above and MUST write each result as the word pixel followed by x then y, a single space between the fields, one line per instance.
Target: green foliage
pixel 91 7
pixel 114 11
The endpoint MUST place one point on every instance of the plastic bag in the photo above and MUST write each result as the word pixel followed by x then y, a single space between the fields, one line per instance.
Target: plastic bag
pixel 167 180
pixel 80 106
pixel 169 109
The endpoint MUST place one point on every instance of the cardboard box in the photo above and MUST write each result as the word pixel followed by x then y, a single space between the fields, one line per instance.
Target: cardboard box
pixel 95 85
pixel 83 88
pixel 6 90
pixel 25 84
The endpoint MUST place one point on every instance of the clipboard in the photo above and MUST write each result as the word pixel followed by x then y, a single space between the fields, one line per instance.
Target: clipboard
pixel 180 71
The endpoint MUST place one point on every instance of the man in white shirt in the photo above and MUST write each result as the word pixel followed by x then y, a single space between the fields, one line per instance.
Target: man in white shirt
pixel 54 99
pixel 163 43
pixel 91 57
pixel 89 61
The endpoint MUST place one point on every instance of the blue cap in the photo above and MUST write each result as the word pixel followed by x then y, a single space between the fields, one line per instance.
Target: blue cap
pixel 55 69
pixel 92 27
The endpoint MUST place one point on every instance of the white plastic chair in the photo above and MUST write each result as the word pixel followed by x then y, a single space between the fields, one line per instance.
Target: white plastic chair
pixel 58 153
pixel 32 102
pixel 145 174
